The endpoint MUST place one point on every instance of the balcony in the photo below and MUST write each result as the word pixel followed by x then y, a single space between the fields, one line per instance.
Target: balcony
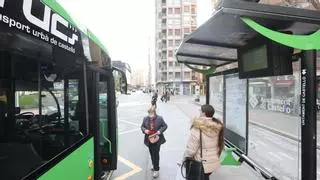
pixel 164 19
pixel 163 36
pixel 163 69
pixel 163 48
pixel 163 55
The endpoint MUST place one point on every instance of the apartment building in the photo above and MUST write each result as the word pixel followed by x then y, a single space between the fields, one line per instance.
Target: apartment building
pixel 174 20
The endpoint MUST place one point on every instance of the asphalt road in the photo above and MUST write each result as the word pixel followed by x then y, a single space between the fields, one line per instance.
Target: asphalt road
pixel 131 110
pixel 134 161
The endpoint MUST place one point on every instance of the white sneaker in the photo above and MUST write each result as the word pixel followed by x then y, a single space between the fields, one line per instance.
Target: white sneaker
pixel 155 174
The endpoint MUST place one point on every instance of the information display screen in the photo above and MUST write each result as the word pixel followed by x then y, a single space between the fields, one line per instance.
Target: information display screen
pixel 255 59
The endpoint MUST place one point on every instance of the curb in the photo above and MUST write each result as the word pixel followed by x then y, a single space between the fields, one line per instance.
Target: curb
pixel 287 135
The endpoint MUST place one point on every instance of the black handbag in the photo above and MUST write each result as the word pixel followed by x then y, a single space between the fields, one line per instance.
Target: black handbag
pixel 194 168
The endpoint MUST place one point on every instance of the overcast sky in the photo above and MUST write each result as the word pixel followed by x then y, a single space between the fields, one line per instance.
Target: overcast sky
pixel 124 26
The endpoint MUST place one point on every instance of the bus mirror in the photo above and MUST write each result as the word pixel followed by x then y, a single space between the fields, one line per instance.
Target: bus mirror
pixel 120 81
pixel 123 84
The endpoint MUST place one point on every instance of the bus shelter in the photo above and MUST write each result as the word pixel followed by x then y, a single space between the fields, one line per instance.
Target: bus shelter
pixel 237 26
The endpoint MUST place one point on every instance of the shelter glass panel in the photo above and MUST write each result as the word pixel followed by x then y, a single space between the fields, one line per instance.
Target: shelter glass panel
pixel 216 94
pixel 274 123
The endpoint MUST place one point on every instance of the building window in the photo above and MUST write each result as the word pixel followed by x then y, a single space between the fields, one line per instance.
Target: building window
pixel 170 64
pixel 177 32
pixel 164 66
pixel 177 10
pixel 177 42
pixel 194 20
pixel 194 9
pixel 186 30
pixel 187 75
pixel 177 64
pixel 177 21
pixel 193 28
pixel 170 42
pixel 170 11
pixel 186 20
pixel 186 9
pixel 177 75
pixel 170 53
pixel 170 76
pixel 170 33
pixel 164 76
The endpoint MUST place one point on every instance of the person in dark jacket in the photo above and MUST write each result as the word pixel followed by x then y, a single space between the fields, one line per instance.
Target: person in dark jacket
pixel 154 99
pixel 153 125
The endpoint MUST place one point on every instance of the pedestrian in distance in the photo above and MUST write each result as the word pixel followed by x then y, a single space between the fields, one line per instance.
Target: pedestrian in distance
pixel 153 127
pixel 164 97
pixel 210 131
pixel 154 99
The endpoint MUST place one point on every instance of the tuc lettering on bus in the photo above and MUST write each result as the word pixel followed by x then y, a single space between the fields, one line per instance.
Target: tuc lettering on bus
pixel 45 21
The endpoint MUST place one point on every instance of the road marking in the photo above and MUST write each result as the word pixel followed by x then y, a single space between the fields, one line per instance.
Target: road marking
pixel 262 143
pixel 129 131
pixel 252 143
pixel 274 155
pixel 133 104
pixel 129 122
pixel 135 169
pixel 287 156
pixel 268 169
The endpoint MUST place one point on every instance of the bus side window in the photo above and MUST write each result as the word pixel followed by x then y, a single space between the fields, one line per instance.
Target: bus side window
pixel 74 104
pixel 3 102
pixel 103 114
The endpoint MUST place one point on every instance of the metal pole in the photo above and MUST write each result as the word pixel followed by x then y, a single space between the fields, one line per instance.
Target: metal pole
pixel 308 116
pixel 182 35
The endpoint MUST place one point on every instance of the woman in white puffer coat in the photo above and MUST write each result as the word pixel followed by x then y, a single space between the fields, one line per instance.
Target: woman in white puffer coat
pixel 212 140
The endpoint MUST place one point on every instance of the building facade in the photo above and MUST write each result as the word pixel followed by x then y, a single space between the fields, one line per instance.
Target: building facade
pixel 140 78
pixel 174 20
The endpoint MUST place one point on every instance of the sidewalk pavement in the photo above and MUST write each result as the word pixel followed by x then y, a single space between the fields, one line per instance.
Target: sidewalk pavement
pixel 178 123
pixel 279 123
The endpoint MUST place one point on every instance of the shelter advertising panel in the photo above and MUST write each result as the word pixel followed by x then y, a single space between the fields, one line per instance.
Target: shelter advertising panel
pixel 216 95
pixel 236 111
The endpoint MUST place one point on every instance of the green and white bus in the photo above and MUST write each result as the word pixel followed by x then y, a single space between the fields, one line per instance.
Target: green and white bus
pixel 58 117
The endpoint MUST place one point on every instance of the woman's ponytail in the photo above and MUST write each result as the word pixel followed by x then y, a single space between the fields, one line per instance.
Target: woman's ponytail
pixel 220 136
